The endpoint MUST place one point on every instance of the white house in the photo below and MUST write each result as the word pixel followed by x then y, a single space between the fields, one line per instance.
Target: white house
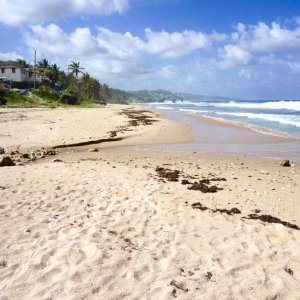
pixel 19 74
pixel 14 73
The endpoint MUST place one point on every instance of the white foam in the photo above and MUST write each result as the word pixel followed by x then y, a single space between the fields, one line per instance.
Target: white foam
pixel 193 110
pixel 290 105
pixel 282 119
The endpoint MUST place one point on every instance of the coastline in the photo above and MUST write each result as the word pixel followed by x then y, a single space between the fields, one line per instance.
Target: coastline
pixel 104 221
pixel 222 137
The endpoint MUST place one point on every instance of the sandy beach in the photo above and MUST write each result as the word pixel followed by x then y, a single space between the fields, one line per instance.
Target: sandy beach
pixel 98 220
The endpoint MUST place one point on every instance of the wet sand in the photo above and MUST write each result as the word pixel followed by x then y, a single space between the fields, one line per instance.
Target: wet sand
pixel 212 136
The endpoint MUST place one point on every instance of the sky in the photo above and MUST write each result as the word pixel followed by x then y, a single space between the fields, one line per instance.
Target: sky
pixel 247 49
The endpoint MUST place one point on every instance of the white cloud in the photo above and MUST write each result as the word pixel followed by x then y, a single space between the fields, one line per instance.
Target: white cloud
pixel 16 12
pixel 117 57
pixel 233 56
pixel 168 72
pixel 178 44
pixel 10 56
pixel 262 37
pixel 52 41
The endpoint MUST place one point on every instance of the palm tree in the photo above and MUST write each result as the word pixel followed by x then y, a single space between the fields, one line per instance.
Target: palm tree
pixel 43 64
pixel 91 87
pixel 42 67
pixel 75 68
pixel 85 83
pixel 64 79
pixel 106 91
pixel 22 63
pixel 53 74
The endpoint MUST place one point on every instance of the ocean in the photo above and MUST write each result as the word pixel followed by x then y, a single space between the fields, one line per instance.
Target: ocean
pixel 271 117
pixel 275 118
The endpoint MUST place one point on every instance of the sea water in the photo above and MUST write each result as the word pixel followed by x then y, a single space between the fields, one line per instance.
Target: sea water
pixel 278 118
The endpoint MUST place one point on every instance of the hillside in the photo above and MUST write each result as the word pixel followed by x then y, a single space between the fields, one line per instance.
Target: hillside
pixel 147 96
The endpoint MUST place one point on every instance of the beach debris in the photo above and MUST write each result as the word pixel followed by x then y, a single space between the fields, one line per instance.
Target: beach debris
pixel 112 133
pixel 87 143
pixel 138 117
pixel 6 161
pixel 289 271
pixel 208 276
pixel 200 185
pixel 203 185
pixel 204 188
pixel 19 157
pixel 271 219
pixel 3 264
pixel 168 174
pixel 93 150
pixel 232 211
pixel 198 205
pixel 285 163
pixel 56 160
pixel 179 285
pixel 174 291
pixel 185 181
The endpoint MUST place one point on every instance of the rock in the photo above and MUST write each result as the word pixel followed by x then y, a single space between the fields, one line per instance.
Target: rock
pixel 50 151
pixel 26 155
pixel 57 160
pixel 264 172
pixel 93 150
pixel 6 161
pixel 2 150
pixel 285 163
pixel 113 134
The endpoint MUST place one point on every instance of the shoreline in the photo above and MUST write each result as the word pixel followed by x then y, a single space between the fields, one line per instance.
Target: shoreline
pixel 174 131
pixel 104 221
pixel 230 138
pixel 279 136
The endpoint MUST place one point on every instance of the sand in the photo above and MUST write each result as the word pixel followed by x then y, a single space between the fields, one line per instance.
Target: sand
pixel 105 225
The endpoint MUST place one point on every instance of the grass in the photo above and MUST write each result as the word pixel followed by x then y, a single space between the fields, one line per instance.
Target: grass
pixel 13 98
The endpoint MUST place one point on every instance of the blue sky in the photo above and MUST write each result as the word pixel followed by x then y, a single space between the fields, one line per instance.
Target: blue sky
pixel 237 48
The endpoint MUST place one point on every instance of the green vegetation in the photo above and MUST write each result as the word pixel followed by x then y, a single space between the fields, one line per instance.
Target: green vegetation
pixel 57 88
pixel 2 94
pixel 14 98
pixel 46 93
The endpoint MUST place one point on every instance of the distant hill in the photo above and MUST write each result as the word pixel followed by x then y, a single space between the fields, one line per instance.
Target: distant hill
pixel 147 96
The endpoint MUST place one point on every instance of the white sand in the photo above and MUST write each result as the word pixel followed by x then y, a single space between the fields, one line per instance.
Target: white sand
pixel 103 226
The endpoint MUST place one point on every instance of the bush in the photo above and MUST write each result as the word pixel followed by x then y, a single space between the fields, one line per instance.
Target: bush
pixel 70 96
pixel 2 94
pixel 46 93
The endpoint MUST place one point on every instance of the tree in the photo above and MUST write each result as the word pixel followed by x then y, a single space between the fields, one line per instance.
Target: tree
pixel 90 87
pixel 65 80
pixel 42 68
pixel 106 91
pixel 44 64
pixel 22 63
pixel 75 68
pixel 53 74
pixel 85 83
